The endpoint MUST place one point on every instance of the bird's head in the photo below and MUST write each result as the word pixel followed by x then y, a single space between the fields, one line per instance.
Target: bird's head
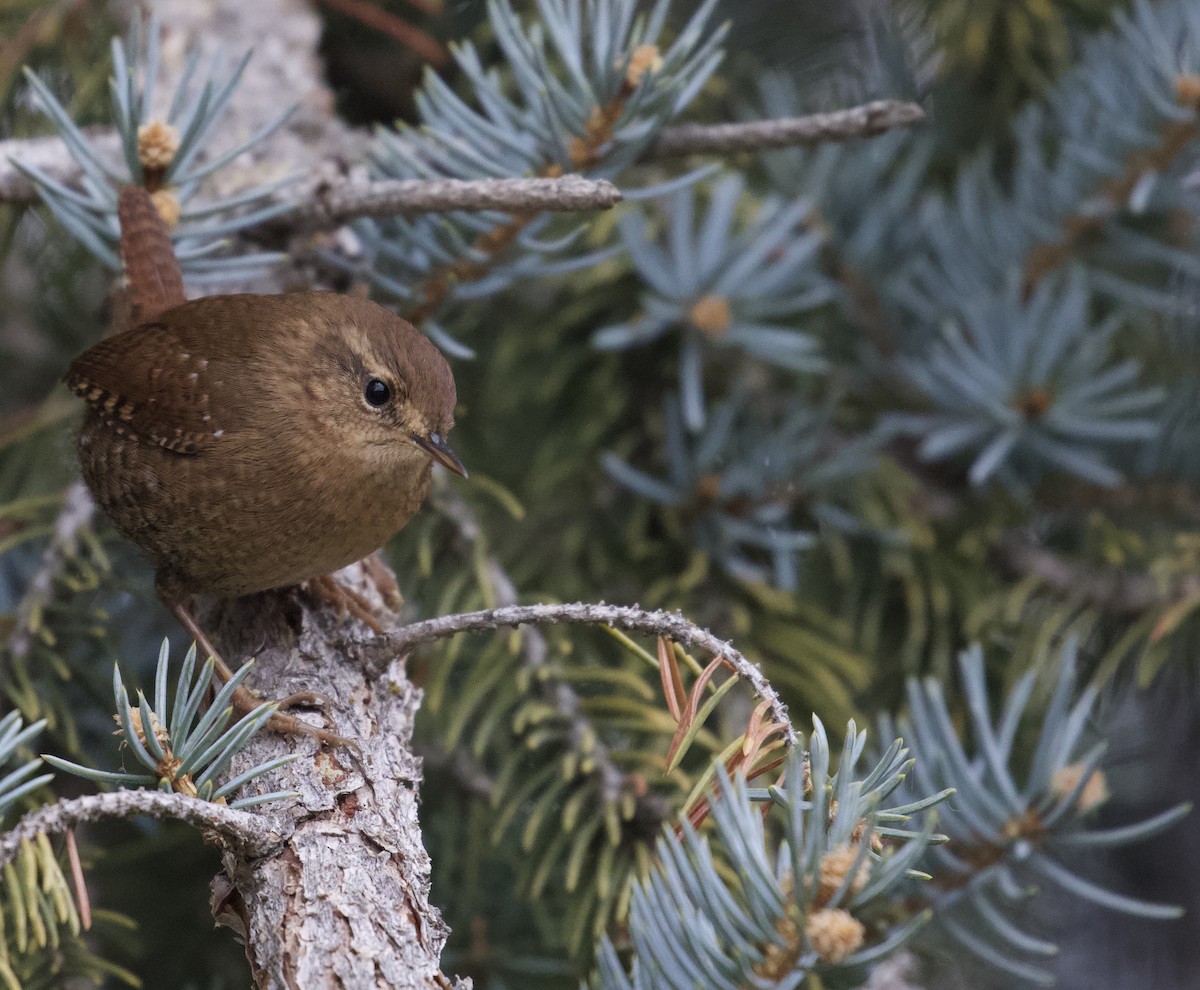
pixel 383 386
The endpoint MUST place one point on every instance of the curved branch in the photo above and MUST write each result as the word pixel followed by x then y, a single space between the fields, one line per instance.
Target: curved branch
pixel 629 617
pixel 252 834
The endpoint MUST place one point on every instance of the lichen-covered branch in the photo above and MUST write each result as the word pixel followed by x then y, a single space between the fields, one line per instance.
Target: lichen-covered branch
pixel 249 833
pixel 672 625
pixel 325 204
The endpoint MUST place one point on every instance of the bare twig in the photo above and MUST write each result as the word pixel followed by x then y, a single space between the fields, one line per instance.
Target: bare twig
pixel 862 121
pixel 629 617
pixel 1111 590
pixel 337 204
pixel 251 834
pixel 77 512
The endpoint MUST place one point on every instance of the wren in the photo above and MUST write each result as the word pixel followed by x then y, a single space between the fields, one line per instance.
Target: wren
pixel 250 442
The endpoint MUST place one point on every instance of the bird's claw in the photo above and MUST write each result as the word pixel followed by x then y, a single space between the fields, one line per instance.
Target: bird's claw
pixel 314 700
pixel 245 701
pixel 346 600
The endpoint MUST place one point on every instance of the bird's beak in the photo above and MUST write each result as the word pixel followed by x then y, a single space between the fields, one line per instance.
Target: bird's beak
pixel 440 451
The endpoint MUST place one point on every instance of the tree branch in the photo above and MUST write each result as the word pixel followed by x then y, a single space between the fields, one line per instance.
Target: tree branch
pixel 330 207
pixel 345 901
pixel 629 617
pixel 251 834
pixel 345 200
pixel 1109 589
pixel 862 121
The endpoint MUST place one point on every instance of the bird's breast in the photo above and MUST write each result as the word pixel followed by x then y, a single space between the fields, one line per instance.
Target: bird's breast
pixel 251 512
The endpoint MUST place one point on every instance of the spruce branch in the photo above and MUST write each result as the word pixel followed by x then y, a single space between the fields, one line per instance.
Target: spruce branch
pixel 572 732
pixel 817 902
pixel 1015 824
pixel 252 835
pixel 1115 194
pixel 866 120
pixel 351 855
pixel 631 618
pixel 348 201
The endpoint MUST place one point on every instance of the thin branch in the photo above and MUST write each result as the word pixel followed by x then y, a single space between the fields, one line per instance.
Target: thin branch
pixel 250 833
pixel 862 121
pixel 1176 136
pixel 629 617
pixel 334 205
pixel 77 512
pixel 1111 590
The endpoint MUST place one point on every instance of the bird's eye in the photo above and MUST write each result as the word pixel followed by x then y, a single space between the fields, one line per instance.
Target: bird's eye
pixel 377 393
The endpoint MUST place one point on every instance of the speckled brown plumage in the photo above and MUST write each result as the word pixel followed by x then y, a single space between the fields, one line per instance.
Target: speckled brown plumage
pixel 230 437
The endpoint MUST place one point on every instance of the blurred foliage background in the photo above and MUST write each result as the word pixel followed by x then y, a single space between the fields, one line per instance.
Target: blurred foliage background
pixel 848 523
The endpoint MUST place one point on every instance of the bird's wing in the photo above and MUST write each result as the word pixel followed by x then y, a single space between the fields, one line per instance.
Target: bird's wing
pixel 148 383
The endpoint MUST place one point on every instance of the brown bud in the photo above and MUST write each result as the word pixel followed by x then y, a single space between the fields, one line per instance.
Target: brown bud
pixel 1094 793
pixel 157 144
pixel 834 934
pixel 711 315
pixel 645 58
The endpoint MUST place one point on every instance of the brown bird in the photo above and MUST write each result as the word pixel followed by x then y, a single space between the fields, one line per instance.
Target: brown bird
pixel 249 442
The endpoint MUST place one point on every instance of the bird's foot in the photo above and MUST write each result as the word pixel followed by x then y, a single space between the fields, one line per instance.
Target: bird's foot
pixel 380 575
pixel 307 699
pixel 346 600
pixel 245 701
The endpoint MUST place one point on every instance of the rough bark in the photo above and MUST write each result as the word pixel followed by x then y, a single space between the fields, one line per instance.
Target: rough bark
pixel 344 902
